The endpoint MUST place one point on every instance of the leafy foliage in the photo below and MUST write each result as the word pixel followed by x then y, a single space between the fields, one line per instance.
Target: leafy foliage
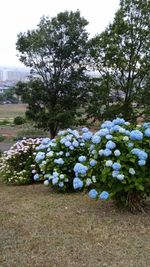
pixel 121 55
pixel 16 164
pixel 56 53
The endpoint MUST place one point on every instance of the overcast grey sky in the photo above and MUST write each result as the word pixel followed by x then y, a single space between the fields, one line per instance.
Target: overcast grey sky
pixel 22 15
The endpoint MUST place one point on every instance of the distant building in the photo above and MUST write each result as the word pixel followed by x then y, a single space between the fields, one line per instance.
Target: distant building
pixel 17 76
pixel 1 75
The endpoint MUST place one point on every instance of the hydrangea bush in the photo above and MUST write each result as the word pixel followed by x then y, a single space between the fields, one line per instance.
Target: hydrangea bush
pixel 57 157
pixel 119 162
pixel 16 164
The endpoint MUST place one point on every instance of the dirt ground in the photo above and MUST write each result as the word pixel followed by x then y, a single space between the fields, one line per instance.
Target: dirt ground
pixel 42 228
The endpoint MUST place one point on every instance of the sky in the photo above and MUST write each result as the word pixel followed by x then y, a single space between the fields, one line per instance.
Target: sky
pixel 21 15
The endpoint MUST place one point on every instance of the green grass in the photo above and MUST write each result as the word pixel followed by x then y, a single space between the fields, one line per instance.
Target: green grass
pixel 45 229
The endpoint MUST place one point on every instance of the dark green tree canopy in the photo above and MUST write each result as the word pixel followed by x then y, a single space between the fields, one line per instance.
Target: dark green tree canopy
pixel 122 55
pixel 56 53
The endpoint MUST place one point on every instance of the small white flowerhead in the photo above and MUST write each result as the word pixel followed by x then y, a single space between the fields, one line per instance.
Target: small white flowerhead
pixel 125 138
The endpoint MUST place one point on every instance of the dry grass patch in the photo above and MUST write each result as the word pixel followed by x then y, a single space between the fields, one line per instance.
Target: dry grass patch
pixel 43 228
pixel 10 111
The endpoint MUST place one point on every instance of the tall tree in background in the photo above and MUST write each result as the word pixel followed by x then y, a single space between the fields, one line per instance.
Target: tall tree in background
pixel 56 53
pixel 121 54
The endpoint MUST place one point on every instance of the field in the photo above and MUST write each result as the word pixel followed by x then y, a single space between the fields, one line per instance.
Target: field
pixel 42 228
pixel 10 131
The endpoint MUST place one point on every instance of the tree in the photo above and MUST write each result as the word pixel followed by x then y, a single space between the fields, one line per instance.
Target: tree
pixel 122 55
pixel 56 53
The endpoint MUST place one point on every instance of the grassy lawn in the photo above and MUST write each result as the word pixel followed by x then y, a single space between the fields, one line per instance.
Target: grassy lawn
pixel 10 111
pixel 39 227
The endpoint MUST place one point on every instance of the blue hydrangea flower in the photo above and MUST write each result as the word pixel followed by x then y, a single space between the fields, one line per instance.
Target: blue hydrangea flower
pixel 131 171
pixel 135 151
pixel 101 152
pixel 120 177
pixel 115 173
pixel 46 182
pixel 136 135
pixel 91 147
pixel 141 162
pixel 146 125
pixel 40 156
pixel 127 123
pixel 87 136
pixel 127 132
pixel 147 132
pixel 75 133
pixel 93 193
pixel 82 158
pixel 63 140
pixel 142 155
pixel 45 141
pixel 50 154
pixel 85 130
pixel 67 143
pixel 61 184
pixel 77 183
pixel 119 121
pixel 67 154
pixel 69 137
pixel 55 181
pixel 107 152
pixel 110 145
pixel 122 130
pixel 103 132
pixel 117 153
pixel 115 128
pixel 104 195
pixel 116 166
pixel 107 124
pixel 109 137
pixel 61 132
pixel 59 161
pixel 96 139
pixel 36 177
pixel 80 168
pixel 130 144
pixel 71 147
pixel 108 163
pixel 55 174
pixel 75 143
pixel 93 162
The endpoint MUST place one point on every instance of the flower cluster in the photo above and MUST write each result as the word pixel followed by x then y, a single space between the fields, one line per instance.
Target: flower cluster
pixel 119 159
pixel 17 165
pixel 60 159
pixel 113 162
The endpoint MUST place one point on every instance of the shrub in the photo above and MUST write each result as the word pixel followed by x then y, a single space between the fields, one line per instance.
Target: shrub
pixel 19 120
pixel 119 162
pixel 57 157
pixel 17 163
